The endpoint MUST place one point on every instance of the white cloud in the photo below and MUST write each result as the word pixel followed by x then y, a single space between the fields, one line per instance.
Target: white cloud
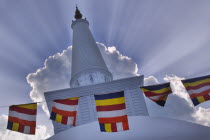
pixel 179 104
pixel 41 132
pixel 120 66
pixel 151 80
pixel 55 75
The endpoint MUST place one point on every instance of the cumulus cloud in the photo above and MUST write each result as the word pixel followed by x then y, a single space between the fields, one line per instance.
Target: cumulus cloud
pixel 41 132
pixel 178 105
pixel 55 75
pixel 120 66
pixel 151 80
pixel 56 72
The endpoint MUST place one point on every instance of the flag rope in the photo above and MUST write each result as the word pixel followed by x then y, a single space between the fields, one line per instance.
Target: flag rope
pixel 24 103
pixel 169 80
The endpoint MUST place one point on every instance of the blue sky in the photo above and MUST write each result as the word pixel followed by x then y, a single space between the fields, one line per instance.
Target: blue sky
pixel 163 37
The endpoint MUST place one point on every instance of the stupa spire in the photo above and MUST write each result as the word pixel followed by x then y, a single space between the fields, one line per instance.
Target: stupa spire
pixel 77 15
pixel 88 65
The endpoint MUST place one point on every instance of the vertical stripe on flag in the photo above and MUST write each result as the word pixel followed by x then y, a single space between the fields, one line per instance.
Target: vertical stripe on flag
pixel 119 126
pixel 15 126
pixel 114 127
pixel 70 120
pixel 26 129
pixel 108 127
pixel 102 127
pixel 21 128
pixel 58 118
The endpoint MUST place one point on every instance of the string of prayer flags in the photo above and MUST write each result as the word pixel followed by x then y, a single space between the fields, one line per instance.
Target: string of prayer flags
pixel 198 89
pixel 157 93
pixel 111 112
pixel 64 111
pixel 22 118
pixel 110 107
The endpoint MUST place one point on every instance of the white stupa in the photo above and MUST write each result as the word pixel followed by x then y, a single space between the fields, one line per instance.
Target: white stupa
pixel 90 76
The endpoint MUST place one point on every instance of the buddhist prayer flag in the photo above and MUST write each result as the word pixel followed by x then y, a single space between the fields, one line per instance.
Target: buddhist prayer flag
pixel 198 89
pixel 111 111
pixel 22 118
pixel 158 93
pixel 64 111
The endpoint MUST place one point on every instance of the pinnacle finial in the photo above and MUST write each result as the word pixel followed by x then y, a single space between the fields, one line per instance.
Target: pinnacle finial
pixel 77 15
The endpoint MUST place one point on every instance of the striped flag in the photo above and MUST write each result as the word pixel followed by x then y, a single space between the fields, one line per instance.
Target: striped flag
pixel 64 111
pixel 22 118
pixel 158 93
pixel 198 89
pixel 111 111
